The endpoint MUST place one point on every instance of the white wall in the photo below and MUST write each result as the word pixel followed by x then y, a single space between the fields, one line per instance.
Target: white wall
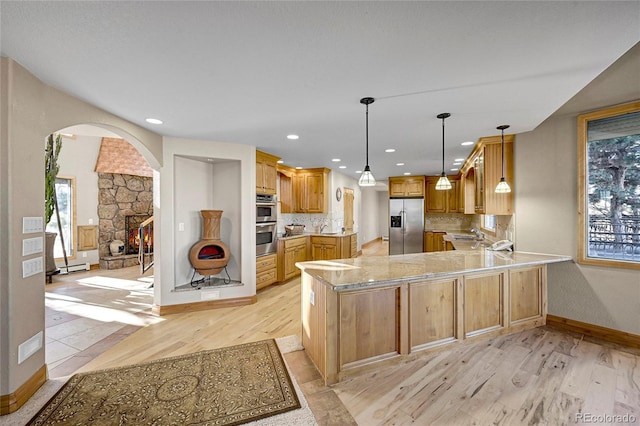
pixel 372 214
pixel 383 213
pixel 546 206
pixel 78 159
pixel 189 184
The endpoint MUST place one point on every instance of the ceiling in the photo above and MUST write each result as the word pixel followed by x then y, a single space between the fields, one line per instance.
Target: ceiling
pixel 254 72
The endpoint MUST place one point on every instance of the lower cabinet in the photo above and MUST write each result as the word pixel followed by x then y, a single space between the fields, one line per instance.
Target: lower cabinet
pixel 291 251
pixel 334 247
pixel 325 248
pixel 266 270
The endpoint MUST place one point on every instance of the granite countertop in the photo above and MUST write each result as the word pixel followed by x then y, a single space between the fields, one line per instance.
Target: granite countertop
pixel 348 274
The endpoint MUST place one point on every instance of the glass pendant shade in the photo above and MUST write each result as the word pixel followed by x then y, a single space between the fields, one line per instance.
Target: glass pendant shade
pixel 443 183
pixel 503 187
pixel 366 178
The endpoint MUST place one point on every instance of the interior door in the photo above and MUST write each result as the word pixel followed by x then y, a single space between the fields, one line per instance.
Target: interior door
pixel 348 197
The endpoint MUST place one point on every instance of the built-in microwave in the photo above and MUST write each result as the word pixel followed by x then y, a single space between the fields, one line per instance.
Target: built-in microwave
pixel 266 208
pixel 266 239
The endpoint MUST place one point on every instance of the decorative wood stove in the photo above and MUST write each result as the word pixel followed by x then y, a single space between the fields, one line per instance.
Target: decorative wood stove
pixel 209 256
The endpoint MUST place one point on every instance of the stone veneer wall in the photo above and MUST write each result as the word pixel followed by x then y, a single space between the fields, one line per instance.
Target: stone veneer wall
pixel 120 195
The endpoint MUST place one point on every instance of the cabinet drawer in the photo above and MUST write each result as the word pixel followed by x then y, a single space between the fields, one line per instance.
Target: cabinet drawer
pixel 264 263
pixel 330 241
pixel 295 242
pixel 263 279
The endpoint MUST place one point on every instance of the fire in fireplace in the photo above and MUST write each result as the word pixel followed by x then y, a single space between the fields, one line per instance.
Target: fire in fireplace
pixel 131 224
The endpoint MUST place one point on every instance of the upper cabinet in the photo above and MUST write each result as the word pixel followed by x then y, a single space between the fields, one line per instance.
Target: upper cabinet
pixel 438 201
pixel 266 173
pixel 482 172
pixel 406 186
pixel 304 191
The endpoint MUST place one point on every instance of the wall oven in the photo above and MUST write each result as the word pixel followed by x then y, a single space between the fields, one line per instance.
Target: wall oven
pixel 265 208
pixel 266 239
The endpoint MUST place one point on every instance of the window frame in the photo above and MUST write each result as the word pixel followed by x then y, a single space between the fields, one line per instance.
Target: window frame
pixel 491 231
pixel 72 253
pixel 583 212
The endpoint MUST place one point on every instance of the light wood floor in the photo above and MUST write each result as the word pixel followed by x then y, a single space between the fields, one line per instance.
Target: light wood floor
pixel 542 376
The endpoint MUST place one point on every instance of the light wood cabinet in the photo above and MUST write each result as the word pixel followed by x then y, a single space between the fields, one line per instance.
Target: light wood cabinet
pixel 325 248
pixel 266 270
pixel 291 251
pixel 333 247
pixel 438 201
pixel 348 331
pixel 304 191
pixel 482 172
pixel 434 241
pixel 406 186
pixel 266 174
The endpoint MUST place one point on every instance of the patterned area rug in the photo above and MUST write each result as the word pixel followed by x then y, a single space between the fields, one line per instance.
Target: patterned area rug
pixel 226 386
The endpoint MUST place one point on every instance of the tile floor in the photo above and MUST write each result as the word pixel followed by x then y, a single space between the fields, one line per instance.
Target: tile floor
pixel 88 312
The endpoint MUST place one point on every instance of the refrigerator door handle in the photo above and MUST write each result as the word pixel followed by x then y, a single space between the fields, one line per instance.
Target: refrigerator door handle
pixel 404 221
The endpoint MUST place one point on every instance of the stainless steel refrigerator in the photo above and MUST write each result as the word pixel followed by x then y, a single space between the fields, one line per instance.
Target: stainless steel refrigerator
pixel 406 225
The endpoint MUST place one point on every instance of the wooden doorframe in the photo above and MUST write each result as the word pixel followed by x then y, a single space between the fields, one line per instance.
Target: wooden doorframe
pixel 348 196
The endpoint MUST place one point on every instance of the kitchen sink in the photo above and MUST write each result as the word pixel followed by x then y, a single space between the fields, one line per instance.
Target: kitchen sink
pixel 458 237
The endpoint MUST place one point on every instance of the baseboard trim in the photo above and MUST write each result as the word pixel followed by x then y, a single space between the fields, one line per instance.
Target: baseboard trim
pixel 367 244
pixel 202 306
pixel 12 402
pixel 592 330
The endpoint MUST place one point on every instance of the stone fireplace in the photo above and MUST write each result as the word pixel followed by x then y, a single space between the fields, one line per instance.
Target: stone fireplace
pixel 125 189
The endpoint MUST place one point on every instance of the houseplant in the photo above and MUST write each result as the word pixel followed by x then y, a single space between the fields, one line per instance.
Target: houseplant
pixel 51 168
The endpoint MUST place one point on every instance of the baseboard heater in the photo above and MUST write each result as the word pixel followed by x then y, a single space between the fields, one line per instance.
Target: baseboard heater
pixel 385 238
pixel 76 268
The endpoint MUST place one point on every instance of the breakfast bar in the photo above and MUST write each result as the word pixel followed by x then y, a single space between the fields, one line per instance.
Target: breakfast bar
pixel 358 313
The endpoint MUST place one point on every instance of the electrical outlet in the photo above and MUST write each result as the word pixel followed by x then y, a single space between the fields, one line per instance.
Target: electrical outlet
pixel 312 298
pixel 84 254
pixel 181 226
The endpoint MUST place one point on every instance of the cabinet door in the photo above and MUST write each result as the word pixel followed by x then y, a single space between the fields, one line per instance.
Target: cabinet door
pixel 299 205
pixel 317 251
pixel 331 251
pixel 453 195
pixel 479 182
pixel 314 192
pixel 435 199
pixel 414 187
pixel 269 177
pixel 259 177
pixel 289 262
pixel 396 188
pixel 300 255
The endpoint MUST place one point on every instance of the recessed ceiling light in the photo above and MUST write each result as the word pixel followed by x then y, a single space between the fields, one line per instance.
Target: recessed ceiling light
pixel 293 137
pixel 358 171
pixel 457 163
pixel 280 161
pixel 153 120
pixel 407 173
pixel 399 164
pixel 390 150
pixel 335 160
pixel 467 143
pixel 298 168
pixel 459 159
pixel 342 167
pixel 454 170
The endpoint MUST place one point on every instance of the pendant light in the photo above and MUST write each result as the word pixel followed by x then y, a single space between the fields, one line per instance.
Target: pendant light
pixel 503 186
pixel 443 183
pixel 367 179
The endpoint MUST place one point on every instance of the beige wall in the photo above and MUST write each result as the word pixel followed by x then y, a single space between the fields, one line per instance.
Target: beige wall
pixel 546 206
pixel 30 110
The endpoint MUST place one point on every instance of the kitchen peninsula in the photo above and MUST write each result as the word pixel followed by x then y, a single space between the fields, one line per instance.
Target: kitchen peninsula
pixel 360 312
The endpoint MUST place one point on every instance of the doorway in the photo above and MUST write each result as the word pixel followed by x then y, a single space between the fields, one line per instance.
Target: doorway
pixel 348 209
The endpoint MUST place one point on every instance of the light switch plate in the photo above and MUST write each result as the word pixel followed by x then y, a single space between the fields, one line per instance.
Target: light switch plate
pixel 31 246
pixel 32 224
pixel 32 267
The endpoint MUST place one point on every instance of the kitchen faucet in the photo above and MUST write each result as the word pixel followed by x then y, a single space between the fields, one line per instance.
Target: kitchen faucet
pixel 479 235
pixel 322 227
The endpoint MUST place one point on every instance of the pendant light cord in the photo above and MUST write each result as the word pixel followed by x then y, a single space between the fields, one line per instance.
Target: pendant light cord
pixel 502 153
pixel 443 145
pixel 367 133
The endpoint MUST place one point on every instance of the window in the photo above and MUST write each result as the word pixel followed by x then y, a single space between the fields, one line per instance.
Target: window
pixel 609 187
pixel 65 192
pixel 489 223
